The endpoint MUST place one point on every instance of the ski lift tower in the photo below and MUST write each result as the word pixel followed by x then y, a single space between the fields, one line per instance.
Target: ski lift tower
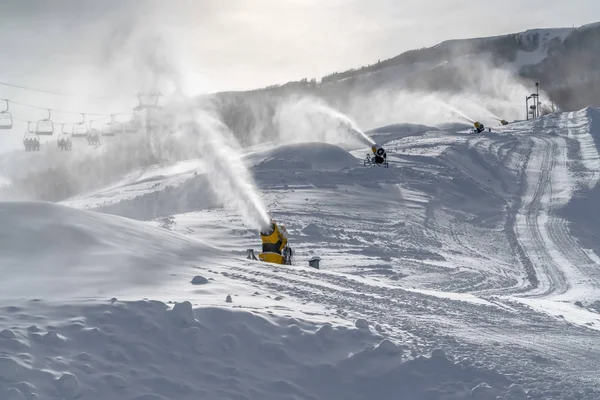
pixel 148 102
pixel 537 99
pixel 534 108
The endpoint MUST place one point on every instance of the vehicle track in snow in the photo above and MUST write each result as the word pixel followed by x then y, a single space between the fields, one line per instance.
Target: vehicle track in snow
pixel 529 345
pixel 529 230
pixel 560 263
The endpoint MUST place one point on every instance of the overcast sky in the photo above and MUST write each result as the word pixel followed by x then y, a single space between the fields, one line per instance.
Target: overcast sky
pixel 105 47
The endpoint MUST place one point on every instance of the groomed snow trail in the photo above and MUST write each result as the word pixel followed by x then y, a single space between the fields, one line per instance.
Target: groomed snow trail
pixel 563 269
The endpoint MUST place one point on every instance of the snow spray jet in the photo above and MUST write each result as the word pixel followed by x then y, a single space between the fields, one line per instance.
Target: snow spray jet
pixel 481 88
pixel 310 119
pixel 227 175
pixel 456 111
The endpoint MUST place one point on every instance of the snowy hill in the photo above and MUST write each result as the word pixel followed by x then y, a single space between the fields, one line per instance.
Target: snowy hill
pixel 496 73
pixel 469 269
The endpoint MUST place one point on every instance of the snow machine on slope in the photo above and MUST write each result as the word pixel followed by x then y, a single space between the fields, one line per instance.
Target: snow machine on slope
pixel 503 122
pixel 275 247
pixel 478 128
pixel 378 158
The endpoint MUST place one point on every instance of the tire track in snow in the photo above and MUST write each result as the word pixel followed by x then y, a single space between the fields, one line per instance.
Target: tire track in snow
pixel 561 265
pixel 457 326
pixel 528 231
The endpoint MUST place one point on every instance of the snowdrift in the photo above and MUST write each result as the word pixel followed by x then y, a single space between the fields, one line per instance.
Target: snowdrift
pixel 52 251
pixel 146 350
pixel 314 156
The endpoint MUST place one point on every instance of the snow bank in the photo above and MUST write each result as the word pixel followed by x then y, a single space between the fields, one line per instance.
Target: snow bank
pixel 148 350
pixel 54 251
pixel 306 156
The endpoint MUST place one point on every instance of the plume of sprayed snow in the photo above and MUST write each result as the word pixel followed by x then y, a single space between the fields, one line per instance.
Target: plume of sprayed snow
pixel 485 93
pixel 227 175
pixel 184 131
pixel 312 120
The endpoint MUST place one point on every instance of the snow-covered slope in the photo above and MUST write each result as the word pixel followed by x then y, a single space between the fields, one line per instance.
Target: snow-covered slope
pixel 471 262
pixel 64 335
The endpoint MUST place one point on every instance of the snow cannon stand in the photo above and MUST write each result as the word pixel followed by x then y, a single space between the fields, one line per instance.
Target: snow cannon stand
pixel 275 247
pixel 370 160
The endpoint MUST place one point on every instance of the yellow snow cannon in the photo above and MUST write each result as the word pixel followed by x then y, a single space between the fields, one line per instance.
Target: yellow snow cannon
pixel 503 122
pixel 275 247
pixel 478 127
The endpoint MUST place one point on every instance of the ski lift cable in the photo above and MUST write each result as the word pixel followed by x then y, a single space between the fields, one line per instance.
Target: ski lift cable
pixel 58 122
pixel 53 92
pixel 66 111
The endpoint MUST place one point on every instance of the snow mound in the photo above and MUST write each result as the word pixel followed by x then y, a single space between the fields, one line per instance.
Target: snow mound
pixel 308 156
pixel 199 280
pixel 157 197
pixel 48 250
pixel 147 350
pixel 398 131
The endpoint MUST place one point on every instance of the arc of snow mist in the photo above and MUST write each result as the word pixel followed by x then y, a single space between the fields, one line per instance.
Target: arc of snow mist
pixel 336 115
pixel 455 111
pixel 229 178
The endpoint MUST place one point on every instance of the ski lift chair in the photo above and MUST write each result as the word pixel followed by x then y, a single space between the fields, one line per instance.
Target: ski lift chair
pixel 45 127
pixel 107 129
pixel 31 142
pixel 64 139
pixel 110 128
pixel 93 137
pixel 80 129
pixel 6 120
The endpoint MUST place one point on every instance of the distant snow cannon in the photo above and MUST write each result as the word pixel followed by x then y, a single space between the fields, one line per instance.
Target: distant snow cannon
pixel 378 158
pixel 275 247
pixel 503 122
pixel 478 127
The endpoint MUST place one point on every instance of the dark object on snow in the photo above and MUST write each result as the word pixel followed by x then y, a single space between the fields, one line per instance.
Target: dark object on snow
pixel 199 280
pixel 378 158
pixel 250 255
pixel 314 262
pixel 478 127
